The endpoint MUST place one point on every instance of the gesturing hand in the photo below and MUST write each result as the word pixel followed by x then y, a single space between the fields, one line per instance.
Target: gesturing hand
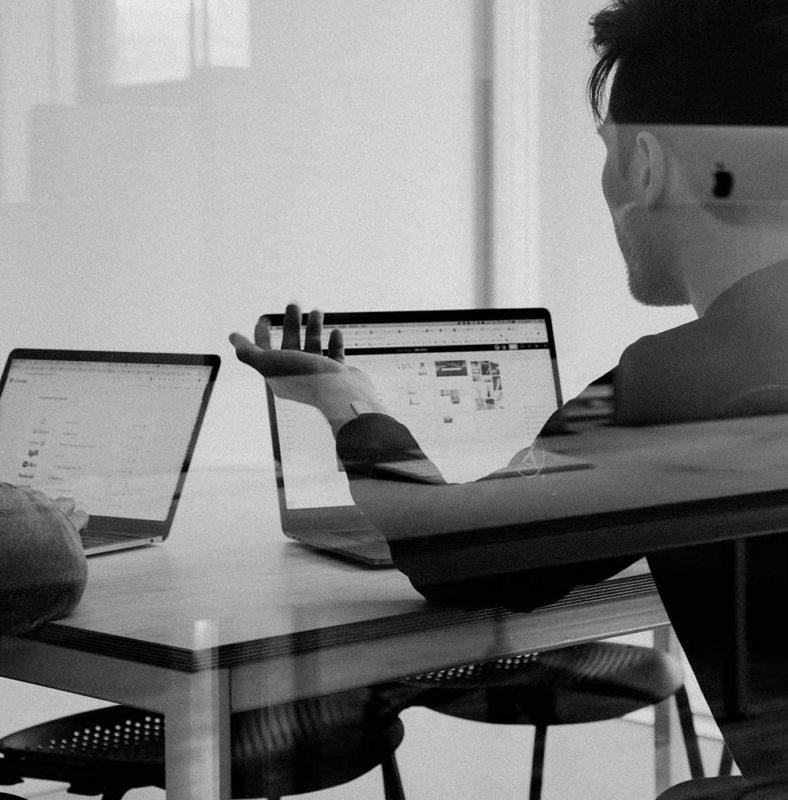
pixel 306 375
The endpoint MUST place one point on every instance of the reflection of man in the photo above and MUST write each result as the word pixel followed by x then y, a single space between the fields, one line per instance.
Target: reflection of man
pixel 673 63
pixel 42 565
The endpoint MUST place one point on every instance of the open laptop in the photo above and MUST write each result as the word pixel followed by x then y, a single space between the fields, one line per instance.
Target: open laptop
pixel 114 431
pixel 473 386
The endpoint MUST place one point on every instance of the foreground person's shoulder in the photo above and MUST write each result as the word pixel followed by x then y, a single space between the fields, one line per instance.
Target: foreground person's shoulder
pixel 43 571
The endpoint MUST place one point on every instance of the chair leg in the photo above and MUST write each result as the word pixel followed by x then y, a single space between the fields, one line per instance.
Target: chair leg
pixel 737 677
pixel 392 783
pixel 537 762
pixel 689 734
pixel 726 762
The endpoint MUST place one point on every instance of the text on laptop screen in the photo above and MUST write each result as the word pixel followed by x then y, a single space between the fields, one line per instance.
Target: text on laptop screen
pixel 471 392
pixel 111 435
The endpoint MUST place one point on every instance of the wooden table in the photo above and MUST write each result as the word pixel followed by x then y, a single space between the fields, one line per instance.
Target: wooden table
pixel 228 615
pixel 647 489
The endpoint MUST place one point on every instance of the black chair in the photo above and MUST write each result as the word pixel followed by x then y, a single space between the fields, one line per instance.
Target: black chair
pixel 585 683
pixel 315 744
pixel 287 749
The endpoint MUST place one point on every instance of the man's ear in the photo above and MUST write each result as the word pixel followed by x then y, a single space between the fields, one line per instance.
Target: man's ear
pixel 652 168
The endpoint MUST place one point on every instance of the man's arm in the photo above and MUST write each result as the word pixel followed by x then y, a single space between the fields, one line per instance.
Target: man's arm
pixel 398 488
pixel 404 495
pixel 43 571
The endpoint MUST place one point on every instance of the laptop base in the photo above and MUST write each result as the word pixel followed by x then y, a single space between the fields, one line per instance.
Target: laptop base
pixel 372 550
pixel 97 542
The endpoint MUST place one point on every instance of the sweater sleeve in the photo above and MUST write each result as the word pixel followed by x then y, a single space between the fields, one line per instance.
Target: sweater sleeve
pixel 406 498
pixel 43 571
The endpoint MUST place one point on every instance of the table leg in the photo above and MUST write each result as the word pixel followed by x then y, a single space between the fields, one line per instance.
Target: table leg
pixel 665 640
pixel 197 747
pixel 197 741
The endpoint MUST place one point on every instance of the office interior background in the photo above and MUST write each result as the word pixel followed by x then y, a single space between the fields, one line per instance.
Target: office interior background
pixel 169 169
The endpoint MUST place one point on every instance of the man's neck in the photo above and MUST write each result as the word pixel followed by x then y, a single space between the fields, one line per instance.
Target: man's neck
pixel 712 264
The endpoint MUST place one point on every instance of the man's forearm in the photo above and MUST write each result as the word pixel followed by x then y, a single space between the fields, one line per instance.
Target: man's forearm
pixel 402 492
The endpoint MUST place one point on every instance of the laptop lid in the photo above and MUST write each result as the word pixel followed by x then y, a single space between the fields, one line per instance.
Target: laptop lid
pixel 115 431
pixel 473 386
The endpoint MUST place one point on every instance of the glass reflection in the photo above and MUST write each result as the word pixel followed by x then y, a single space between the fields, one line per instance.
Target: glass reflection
pixel 159 176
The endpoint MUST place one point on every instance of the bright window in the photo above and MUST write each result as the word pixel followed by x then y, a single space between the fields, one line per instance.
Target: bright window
pixel 164 40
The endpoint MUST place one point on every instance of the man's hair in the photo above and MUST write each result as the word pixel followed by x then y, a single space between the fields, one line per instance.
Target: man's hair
pixel 698 62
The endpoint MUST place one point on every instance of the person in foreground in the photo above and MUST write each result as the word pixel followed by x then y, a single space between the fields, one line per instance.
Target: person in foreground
pixel 43 570
pixel 679 72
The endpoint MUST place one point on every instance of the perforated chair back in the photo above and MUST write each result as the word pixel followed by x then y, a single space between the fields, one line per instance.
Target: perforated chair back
pixel 286 749
pixel 584 683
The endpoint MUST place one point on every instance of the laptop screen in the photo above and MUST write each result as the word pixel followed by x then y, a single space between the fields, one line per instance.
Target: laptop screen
pixel 472 387
pixel 113 434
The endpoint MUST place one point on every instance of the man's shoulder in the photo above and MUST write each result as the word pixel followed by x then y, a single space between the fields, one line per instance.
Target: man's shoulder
pixel 691 372
pixel 671 349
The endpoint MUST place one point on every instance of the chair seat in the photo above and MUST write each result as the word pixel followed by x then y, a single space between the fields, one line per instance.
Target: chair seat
pixel 286 749
pixel 726 789
pixel 585 683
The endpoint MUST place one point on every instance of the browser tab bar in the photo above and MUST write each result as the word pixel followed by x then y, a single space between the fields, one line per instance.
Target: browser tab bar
pixel 497 334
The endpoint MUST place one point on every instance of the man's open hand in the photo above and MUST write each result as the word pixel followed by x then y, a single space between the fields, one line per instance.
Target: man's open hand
pixel 303 373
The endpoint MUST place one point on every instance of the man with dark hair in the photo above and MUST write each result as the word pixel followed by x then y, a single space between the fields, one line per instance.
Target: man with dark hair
pixel 684 76
pixel 691 62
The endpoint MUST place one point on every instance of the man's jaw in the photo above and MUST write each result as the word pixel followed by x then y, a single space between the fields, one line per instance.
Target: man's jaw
pixel 649 276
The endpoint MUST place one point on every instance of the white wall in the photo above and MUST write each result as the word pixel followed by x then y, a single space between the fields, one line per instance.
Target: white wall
pixel 35 67
pixel 337 171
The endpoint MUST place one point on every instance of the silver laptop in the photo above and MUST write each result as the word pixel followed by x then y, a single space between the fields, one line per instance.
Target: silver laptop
pixel 473 387
pixel 114 431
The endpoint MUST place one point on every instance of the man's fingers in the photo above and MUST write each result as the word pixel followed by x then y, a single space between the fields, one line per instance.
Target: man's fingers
pixel 79 520
pixel 244 349
pixel 278 363
pixel 314 332
pixel 291 329
pixel 336 346
pixel 65 504
pixel 262 333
